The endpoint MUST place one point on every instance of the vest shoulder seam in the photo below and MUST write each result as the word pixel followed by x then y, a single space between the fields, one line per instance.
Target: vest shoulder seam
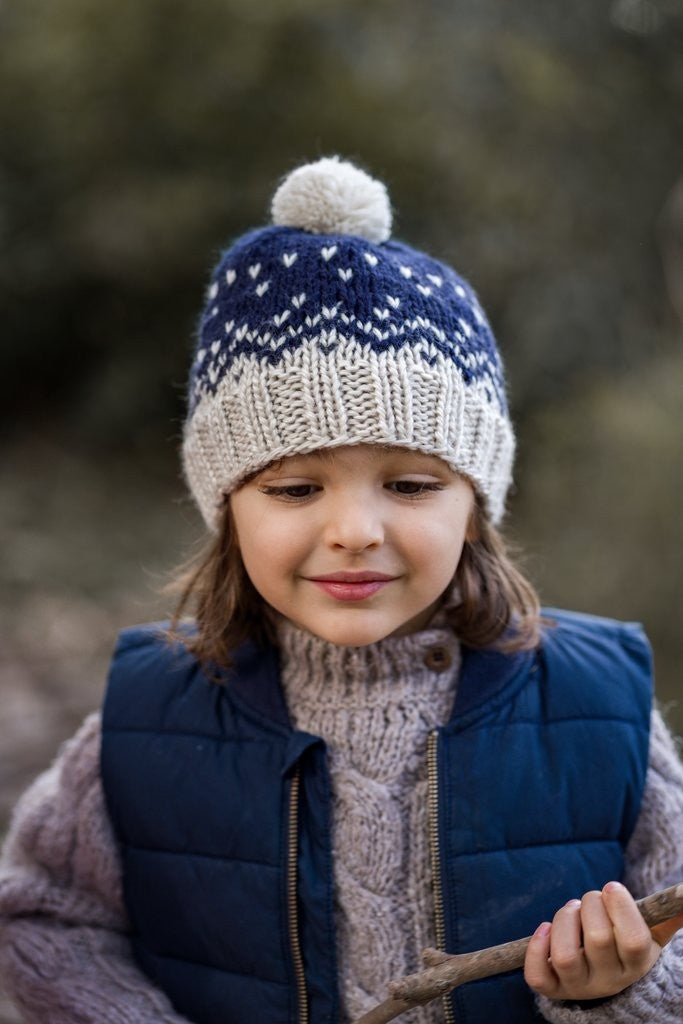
pixel 635 722
pixel 121 729
pixel 211 967
pixel 604 841
pixel 199 853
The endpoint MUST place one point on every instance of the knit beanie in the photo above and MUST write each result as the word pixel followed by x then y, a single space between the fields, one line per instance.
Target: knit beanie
pixel 320 331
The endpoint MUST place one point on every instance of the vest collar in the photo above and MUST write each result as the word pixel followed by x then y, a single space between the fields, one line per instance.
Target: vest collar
pixel 254 681
pixel 486 675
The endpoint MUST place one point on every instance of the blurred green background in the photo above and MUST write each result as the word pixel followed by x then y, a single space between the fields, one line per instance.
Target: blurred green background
pixel 538 147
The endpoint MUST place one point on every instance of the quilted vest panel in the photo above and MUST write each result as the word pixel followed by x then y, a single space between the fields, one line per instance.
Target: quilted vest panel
pixel 198 786
pixel 539 793
pixel 197 779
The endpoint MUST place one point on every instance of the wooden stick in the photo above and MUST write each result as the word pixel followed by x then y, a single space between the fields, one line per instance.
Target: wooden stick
pixel 444 972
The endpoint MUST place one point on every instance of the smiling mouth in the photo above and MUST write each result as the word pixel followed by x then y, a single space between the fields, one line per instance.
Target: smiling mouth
pixel 357 576
pixel 351 586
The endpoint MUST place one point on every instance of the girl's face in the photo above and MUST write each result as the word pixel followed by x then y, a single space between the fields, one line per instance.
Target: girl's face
pixel 353 544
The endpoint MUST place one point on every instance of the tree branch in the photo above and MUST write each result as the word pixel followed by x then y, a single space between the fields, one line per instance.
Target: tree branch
pixel 444 972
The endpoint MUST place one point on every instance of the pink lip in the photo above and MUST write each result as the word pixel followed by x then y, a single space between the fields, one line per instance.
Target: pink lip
pixel 359 576
pixel 351 586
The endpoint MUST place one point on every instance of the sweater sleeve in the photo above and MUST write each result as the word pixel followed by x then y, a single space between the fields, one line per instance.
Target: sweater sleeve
pixel 65 957
pixel 654 860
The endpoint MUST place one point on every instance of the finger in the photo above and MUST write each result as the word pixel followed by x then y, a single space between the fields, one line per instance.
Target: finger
pixel 538 972
pixel 599 942
pixel 566 949
pixel 635 944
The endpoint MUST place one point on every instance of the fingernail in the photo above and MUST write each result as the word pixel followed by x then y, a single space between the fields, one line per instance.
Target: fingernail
pixel 573 903
pixel 614 887
pixel 543 930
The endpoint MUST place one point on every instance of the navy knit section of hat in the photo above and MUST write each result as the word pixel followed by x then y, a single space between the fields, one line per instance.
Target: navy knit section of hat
pixel 278 288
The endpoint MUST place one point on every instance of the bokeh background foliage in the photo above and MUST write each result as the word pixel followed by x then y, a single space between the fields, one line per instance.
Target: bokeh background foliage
pixel 537 147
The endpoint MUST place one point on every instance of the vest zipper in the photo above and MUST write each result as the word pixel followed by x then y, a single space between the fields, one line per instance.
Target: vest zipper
pixel 292 909
pixel 435 857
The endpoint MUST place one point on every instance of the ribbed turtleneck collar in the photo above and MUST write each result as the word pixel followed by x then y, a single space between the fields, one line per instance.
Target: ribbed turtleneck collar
pixel 419 668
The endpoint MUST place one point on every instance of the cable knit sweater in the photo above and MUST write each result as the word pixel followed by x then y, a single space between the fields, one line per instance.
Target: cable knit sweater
pixel 375 707
pixel 64 954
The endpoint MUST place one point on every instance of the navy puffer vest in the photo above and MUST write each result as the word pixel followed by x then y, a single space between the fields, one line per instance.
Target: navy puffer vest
pixel 222 812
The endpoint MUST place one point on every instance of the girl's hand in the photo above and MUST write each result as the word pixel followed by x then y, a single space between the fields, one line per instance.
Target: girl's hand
pixel 595 947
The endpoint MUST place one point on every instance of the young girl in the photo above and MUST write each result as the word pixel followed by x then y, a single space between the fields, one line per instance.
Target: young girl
pixel 368 741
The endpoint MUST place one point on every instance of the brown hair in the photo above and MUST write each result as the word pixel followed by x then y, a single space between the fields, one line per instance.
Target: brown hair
pixel 498 608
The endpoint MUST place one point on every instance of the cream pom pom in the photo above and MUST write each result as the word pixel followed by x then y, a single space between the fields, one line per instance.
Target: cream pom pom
pixel 333 197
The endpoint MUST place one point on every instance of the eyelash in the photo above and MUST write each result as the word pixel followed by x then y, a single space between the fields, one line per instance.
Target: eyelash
pixel 285 493
pixel 421 485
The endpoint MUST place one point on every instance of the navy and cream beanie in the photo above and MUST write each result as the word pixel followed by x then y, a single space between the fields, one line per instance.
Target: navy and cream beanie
pixel 320 331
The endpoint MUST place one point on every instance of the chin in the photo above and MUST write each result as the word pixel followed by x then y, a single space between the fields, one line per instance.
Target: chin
pixel 360 635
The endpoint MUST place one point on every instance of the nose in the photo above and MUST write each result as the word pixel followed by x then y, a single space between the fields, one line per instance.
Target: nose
pixel 353 524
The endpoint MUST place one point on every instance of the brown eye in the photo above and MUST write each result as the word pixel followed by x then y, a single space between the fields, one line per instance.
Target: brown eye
pixel 413 488
pixel 299 491
pixel 290 492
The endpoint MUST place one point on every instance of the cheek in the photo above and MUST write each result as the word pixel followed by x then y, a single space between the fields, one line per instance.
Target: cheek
pixel 446 556
pixel 439 547
pixel 270 550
